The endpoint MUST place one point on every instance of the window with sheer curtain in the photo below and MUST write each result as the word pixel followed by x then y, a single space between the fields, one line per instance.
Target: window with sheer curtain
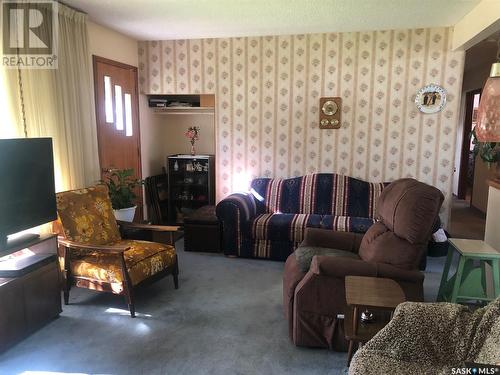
pixel 57 103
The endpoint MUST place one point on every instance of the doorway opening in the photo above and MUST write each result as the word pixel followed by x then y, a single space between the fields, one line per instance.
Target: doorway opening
pixel 470 182
pixel 467 160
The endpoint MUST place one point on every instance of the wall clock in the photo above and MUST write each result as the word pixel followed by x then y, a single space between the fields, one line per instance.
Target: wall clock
pixel 430 99
pixel 329 114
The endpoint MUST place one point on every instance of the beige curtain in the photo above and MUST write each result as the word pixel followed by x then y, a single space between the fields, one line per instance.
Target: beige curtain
pixel 57 103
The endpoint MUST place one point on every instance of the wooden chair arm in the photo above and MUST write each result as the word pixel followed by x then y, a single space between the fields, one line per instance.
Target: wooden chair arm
pixel 100 248
pixel 154 228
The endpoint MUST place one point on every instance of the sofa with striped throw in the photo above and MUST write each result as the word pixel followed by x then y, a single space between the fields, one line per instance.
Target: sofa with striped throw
pixel 269 221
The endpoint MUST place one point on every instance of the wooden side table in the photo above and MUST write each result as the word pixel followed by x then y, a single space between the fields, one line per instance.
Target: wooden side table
pixel 382 295
pixel 202 231
pixel 469 282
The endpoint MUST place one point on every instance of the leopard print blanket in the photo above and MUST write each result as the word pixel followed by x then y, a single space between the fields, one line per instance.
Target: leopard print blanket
pixel 431 338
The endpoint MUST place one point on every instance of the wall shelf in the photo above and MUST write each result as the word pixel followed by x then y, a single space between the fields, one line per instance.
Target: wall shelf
pixel 184 110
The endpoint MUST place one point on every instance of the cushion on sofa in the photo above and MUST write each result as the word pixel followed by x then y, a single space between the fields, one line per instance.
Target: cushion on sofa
pixel 346 223
pixel 291 227
pixel 321 193
pixel 305 254
pixel 283 227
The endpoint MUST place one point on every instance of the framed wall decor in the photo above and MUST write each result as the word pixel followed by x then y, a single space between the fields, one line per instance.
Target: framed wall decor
pixel 329 112
pixel 430 99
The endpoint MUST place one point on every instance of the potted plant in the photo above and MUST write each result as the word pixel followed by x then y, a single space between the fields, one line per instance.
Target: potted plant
pixel 489 152
pixel 121 184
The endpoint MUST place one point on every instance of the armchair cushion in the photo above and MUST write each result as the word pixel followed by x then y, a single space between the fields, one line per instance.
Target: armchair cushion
pixel 87 216
pixel 341 267
pixel 347 241
pixel 305 254
pixel 381 245
pixel 143 259
pixel 407 210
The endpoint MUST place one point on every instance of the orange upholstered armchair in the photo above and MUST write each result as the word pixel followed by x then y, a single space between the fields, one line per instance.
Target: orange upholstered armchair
pixel 94 255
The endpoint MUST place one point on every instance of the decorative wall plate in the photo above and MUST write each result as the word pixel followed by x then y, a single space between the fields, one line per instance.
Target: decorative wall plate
pixel 430 99
pixel 329 114
pixel 329 108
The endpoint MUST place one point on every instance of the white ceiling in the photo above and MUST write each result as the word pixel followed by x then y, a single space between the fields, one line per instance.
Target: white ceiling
pixel 187 19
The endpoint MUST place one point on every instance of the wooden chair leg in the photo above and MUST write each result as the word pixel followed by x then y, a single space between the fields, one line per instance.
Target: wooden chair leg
pixel 66 286
pixel 175 273
pixel 176 281
pixel 127 286
pixel 131 304
pixel 66 275
pixel 66 296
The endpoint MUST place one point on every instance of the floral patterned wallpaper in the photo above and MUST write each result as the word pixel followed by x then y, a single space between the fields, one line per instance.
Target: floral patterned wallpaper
pixel 267 96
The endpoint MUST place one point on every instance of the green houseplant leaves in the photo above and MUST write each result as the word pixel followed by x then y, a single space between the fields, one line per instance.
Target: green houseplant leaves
pixel 121 184
pixel 489 152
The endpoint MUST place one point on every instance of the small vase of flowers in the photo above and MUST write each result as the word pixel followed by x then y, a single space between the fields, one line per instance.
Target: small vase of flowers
pixel 192 135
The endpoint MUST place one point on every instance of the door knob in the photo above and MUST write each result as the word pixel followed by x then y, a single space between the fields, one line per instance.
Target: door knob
pixel 109 170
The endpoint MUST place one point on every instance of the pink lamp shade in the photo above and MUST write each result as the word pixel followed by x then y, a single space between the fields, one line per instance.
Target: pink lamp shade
pixel 488 116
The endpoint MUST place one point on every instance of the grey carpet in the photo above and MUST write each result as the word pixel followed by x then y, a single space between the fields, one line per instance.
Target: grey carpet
pixel 226 318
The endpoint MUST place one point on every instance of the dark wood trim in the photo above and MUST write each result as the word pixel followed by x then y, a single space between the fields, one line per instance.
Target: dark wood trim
pixel 96 59
pixel 66 275
pixel 99 59
pixel 149 227
pixel 127 286
pixel 139 150
pixel 464 153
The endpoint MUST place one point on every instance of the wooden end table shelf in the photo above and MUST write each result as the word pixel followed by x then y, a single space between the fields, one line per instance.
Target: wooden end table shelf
pixel 374 293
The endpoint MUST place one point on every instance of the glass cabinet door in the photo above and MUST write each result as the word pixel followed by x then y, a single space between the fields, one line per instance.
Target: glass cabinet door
pixel 189 186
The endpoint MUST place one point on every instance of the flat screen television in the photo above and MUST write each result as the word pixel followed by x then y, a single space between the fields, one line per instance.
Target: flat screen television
pixel 27 189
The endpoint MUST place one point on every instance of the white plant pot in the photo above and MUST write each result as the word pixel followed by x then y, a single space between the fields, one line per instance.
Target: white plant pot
pixel 125 214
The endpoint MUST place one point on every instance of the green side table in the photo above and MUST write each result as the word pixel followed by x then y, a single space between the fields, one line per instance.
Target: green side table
pixel 469 282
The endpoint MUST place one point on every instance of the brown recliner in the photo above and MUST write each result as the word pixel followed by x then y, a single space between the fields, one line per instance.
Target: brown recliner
pixel 314 296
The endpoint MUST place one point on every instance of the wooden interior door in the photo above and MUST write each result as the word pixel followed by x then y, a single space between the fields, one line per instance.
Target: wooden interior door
pixel 117 115
pixel 465 150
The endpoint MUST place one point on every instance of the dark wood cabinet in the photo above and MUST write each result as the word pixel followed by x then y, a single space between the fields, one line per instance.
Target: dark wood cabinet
pixel 191 184
pixel 12 326
pixel 30 294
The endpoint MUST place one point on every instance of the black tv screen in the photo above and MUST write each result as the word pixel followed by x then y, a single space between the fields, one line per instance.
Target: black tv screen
pixel 27 189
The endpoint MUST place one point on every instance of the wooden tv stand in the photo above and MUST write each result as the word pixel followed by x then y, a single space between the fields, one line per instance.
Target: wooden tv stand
pixel 30 291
